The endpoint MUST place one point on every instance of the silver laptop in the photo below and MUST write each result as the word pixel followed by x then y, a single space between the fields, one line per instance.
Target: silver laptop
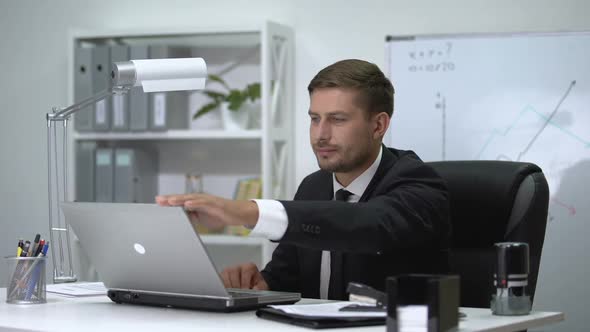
pixel 148 254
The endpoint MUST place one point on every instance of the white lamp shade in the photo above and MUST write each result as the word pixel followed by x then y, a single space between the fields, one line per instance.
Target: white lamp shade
pixel 170 74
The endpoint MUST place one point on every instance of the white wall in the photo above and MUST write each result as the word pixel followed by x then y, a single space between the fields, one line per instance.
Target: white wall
pixel 33 35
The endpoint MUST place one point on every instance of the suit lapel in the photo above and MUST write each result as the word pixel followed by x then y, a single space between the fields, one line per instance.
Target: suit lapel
pixel 327 185
pixel 387 161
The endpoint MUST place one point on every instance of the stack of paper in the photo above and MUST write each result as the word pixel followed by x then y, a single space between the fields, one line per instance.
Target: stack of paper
pixel 78 289
pixel 331 309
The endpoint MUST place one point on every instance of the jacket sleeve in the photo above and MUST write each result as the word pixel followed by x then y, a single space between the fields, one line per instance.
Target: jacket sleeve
pixel 282 272
pixel 409 208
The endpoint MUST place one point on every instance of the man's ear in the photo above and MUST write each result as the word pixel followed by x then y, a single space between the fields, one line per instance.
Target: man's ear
pixel 380 125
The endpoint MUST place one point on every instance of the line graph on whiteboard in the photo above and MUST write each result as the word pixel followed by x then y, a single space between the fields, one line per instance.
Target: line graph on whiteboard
pixel 545 122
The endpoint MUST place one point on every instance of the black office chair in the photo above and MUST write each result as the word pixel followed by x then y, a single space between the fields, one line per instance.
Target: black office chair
pixel 493 201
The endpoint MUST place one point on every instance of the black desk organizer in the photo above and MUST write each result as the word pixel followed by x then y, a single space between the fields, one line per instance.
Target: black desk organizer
pixel 439 292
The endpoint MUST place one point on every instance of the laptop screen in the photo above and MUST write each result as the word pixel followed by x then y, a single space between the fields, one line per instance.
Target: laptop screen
pixel 144 247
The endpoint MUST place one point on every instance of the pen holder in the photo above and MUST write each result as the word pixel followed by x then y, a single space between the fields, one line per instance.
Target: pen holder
pixel 26 281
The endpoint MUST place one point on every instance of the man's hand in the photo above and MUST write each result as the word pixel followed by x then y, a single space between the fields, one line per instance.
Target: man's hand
pixel 244 276
pixel 214 211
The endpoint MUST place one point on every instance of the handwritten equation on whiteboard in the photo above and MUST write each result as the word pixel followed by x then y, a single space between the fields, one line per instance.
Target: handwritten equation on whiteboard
pixel 432 59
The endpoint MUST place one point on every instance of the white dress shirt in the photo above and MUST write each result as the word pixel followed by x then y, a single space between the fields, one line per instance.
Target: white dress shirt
pixel 273 221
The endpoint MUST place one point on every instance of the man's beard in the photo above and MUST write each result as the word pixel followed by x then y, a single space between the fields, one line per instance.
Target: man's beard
pixel 341 165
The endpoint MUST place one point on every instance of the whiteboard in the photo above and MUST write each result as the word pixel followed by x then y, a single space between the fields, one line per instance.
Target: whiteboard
pixel 520 97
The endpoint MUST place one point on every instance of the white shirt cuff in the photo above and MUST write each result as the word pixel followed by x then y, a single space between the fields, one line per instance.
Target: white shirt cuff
pixel 272 220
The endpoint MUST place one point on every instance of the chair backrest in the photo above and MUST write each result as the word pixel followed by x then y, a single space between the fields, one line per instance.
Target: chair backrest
pixel 493 201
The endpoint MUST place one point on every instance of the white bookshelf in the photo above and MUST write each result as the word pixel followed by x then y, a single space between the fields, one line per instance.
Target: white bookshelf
pixel 223 157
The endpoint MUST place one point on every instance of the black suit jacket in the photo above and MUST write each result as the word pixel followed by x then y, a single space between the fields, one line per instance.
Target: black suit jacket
pixel 400 225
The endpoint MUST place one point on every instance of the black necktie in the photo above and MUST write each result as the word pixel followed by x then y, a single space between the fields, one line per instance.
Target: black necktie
pixel 342 195
pixel 336 288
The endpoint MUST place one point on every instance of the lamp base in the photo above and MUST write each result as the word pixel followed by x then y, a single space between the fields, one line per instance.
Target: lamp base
pixel 64 279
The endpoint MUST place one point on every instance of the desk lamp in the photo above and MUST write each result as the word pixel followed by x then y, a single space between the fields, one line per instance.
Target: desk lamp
pixel 153 75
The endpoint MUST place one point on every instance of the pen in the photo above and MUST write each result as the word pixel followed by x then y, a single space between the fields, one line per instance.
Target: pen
pixel 26 249
pixel 17 270
pixel 363 308
pixel 36 275
pixel 19 267
pixel 33 248
pixel 40 247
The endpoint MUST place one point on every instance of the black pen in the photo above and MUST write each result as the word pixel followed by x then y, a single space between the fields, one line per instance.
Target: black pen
pixel 26 248
pixel 35 247
pixel 363 308
pixel 40 247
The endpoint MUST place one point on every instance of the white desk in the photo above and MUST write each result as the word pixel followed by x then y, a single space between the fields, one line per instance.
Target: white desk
pixel 100 314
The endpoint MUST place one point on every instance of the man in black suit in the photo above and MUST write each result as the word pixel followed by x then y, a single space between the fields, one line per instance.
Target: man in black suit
pixel 370 212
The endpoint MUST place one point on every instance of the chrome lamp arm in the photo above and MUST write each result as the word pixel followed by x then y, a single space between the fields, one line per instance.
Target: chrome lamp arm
pixel 57 184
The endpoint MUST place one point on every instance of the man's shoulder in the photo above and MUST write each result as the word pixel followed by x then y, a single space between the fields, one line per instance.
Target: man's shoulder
pixel 396 158
pixel 405 163
pixel 403 154
pixel 319 176
pixel 316 186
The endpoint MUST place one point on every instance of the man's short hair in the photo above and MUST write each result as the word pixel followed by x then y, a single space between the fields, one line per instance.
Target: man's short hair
pixel 375 90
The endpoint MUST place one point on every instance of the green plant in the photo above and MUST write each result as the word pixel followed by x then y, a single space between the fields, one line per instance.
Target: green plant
pixel 235 97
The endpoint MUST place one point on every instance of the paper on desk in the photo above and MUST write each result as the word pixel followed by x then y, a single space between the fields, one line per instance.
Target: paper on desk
pixel 414 316
pixel 78 289
pixel 330 309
